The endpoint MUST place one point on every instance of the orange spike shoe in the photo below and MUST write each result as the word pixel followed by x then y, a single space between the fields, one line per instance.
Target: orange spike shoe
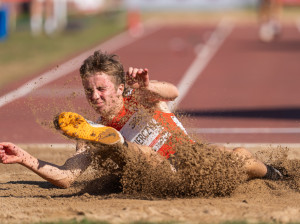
pixel 77 127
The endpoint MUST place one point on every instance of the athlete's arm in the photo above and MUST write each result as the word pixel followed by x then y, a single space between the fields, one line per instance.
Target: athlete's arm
pixel 150 90
pixel 61 176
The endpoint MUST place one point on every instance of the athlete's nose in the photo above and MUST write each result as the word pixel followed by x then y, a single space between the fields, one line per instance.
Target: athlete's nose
pixel 95 95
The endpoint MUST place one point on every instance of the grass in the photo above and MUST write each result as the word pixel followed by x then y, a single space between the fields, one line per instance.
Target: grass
pixel 22 55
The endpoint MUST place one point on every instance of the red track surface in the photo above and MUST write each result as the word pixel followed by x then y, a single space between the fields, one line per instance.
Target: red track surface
pixel 247 84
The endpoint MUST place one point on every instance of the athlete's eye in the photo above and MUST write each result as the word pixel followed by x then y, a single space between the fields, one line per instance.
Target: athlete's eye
pixel 88 91
pixel 101 89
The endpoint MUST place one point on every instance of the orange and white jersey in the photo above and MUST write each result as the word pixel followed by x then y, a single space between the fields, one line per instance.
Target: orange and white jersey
pixel 157 129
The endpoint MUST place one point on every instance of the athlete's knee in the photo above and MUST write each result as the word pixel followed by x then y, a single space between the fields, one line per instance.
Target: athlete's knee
pixel 242 152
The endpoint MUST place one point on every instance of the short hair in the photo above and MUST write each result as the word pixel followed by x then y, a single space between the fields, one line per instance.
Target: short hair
pixel 103 62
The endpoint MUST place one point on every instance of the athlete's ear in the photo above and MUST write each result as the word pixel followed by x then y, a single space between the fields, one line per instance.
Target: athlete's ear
pixel 120 89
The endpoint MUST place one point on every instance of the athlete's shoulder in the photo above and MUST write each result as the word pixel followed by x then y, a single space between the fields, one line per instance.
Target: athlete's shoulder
pixel 163 107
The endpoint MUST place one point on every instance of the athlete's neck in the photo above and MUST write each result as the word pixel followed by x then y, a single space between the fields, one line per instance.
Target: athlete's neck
pixel 108 117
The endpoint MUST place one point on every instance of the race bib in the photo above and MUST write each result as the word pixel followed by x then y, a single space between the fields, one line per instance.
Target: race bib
pixel 144 130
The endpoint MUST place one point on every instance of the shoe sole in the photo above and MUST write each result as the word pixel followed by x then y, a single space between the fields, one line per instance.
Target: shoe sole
pixel 77 127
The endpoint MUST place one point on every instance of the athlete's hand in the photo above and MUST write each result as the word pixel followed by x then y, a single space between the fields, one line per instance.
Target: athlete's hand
pixel 10 153
pixel 137 78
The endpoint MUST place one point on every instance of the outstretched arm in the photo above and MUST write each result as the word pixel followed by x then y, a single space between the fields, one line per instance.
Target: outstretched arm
pixel 150 90
pixel 61 176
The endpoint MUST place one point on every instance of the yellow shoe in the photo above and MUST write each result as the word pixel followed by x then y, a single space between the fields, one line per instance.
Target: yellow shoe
pixel 75 126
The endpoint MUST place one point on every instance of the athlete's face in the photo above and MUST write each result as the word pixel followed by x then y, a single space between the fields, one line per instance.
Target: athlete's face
pixel 102 94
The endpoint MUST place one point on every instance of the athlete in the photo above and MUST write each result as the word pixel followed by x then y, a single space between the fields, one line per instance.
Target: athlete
pixel 133 116
pixel 269 19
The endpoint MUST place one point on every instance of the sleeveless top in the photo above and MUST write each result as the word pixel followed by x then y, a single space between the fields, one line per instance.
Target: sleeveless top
pixel 156 129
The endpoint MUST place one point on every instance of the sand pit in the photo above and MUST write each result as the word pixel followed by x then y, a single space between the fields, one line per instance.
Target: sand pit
pixel 26 198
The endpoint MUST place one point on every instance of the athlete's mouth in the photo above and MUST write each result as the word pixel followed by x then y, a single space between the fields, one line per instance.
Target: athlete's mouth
pixel 97 104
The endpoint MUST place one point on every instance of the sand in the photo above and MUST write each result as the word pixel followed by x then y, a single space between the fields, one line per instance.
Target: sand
pixel 27 198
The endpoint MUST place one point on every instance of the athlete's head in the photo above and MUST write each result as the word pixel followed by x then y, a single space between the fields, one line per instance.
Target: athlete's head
pixel 103 80
pixel 105 63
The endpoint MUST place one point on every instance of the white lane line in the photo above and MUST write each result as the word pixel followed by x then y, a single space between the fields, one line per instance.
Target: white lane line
pixel 244 130
pixel 202 59
pixel 72 65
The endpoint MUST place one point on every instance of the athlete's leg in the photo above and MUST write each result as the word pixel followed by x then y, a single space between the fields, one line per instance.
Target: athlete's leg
pixel 276 9
pixel 36 17
pixel 50 20
pixel 264 10
pixel 254 167
pixel 76 126
pixel 269 19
